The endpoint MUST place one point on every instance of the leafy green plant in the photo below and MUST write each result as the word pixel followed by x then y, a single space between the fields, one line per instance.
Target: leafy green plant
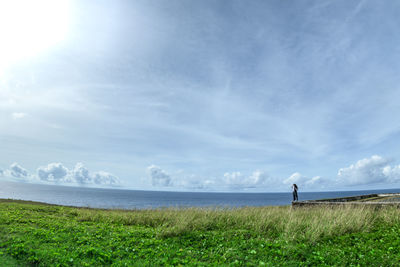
pixel 46 235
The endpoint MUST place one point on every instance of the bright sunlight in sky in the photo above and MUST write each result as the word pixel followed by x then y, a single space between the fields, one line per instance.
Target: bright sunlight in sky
pixel 210 95
pixel 30 27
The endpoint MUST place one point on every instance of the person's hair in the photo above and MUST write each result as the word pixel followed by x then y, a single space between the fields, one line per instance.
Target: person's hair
pixel 295 186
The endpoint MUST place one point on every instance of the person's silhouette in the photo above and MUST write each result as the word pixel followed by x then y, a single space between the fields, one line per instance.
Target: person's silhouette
pixel 295 196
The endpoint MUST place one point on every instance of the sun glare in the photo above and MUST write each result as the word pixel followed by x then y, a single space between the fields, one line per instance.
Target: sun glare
pixel 29 27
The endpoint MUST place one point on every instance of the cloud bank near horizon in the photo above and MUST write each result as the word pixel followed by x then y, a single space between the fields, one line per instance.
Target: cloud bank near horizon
pixel 57 173
pixel 375 170
pixel 368 171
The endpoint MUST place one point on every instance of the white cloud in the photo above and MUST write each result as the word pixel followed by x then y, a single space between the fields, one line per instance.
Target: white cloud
pixel 316 182
pixel 367 171
pixel 80 174
pixel 373 170
pixel 192 181
pixel 158 176
pixel 238 180
pixel 105 178
pixel 257 177
pixel 53 172
pixel 18 115
pixel 232 180
pixel 58 173
pixel 295 178
pixel 392 173
pixel 17 171
pixel 197 183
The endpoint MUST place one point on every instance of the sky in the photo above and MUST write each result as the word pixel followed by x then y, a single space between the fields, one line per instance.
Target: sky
pixel 201 95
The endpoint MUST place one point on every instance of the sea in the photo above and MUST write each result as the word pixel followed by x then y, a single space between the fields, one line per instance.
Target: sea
pixel 138 199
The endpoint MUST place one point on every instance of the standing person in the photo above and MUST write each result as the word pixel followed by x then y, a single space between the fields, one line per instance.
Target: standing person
pixel 295 196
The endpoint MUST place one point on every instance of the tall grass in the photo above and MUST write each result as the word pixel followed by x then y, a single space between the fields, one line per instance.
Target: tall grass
pixel 311 223
pixel 44 235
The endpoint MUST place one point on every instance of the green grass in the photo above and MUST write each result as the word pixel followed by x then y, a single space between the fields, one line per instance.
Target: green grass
pixel 45 235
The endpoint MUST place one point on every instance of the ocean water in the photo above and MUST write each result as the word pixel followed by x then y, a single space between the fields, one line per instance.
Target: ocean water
pixel 136 199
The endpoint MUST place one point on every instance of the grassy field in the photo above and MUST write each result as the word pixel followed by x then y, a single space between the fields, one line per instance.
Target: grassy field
pixel 44 235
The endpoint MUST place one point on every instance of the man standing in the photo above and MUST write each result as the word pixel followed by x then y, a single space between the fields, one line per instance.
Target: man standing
pixel 295 196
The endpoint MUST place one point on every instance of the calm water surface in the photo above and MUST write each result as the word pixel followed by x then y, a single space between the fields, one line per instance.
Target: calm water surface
pixel 135 199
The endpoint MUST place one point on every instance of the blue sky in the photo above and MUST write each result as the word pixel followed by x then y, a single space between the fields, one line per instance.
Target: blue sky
pixel 205 95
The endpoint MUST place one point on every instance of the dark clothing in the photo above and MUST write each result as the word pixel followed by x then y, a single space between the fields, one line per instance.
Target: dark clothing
pixel 295 196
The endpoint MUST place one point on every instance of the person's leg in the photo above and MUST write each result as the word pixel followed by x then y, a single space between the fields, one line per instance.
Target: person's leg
pixel 296 196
